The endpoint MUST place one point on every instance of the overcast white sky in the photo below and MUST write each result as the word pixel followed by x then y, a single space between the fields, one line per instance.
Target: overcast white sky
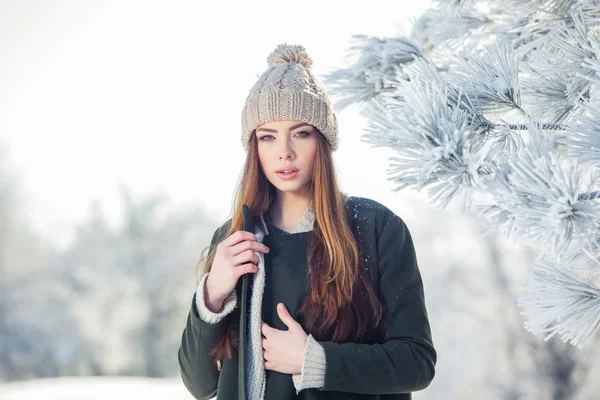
pixel 150 93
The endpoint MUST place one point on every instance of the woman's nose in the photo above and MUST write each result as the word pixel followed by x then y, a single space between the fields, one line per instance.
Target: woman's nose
pixel 285 150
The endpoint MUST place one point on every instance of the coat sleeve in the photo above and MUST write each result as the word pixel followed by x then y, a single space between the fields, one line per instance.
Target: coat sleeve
pixel 405 360
pixel 199 374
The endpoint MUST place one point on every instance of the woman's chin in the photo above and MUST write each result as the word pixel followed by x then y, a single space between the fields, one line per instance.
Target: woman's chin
pixel 290 187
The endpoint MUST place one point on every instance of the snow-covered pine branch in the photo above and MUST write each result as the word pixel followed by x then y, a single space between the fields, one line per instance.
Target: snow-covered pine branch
pixel 537 202
pixel 501 98
pixel 379 62
pixel 563 298
pixel 456 6
pixel 437 30
pixel 591 11
pixel 490 78
pixel 572 45
pixel 582 141
pixel 431 141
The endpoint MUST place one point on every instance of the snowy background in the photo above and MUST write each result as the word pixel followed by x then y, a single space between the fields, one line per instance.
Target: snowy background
pixel 119 148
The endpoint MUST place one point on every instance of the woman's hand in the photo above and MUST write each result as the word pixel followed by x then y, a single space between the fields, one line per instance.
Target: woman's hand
pixel 233 258
pixel 283 351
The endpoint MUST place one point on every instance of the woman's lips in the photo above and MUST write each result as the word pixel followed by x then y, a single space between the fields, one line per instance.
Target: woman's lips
pixel 287 176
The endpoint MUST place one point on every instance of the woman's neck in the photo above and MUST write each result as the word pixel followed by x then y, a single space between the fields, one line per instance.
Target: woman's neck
pixel 287 209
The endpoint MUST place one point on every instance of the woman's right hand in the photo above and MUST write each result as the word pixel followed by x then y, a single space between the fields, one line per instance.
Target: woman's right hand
pixel 229 264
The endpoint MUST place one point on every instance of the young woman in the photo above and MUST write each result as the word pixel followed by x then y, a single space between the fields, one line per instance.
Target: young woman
pixel 336 309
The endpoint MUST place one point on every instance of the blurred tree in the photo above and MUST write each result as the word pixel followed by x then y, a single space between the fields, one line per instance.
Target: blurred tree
pixel 495 105
pixel 114 302
pixel 471 287
pixel 28 291
pixel 133 284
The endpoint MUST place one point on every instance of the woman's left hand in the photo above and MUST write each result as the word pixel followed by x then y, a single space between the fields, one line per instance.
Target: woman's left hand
pixel 283 351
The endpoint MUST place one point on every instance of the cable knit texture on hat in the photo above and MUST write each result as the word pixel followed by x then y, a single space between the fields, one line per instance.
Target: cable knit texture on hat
pixel 289 90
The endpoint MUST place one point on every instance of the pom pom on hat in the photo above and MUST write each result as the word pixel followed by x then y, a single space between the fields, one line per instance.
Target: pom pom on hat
pixel 289 53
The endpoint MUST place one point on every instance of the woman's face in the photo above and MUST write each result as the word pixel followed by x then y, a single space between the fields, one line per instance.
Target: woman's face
pixel 284 145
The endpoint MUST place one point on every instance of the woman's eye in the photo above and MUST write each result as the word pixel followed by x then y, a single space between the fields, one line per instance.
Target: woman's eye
pixel 266 136
pixel 304 132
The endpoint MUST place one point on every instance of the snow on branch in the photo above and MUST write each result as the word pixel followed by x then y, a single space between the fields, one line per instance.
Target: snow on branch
pixel 592 63
pixel 583 139
pixel 430 139
pixel 572 46
pixel 545 85
pixel 447 31
pixel 537 201
pixel 591 11
pixel 490 78
pixel 456 5
pixel 501 97
pixel 558 300
pixel 379 62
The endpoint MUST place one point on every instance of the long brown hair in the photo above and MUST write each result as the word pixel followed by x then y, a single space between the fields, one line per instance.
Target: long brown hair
pixel 341 305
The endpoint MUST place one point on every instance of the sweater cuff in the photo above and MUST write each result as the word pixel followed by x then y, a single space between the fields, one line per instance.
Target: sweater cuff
pixel 313 367
pixel 204 313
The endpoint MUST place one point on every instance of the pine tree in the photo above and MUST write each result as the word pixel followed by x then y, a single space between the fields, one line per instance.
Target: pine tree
pixel 495 105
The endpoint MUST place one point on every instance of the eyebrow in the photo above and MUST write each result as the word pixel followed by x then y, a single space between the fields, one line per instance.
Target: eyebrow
pixel 291 129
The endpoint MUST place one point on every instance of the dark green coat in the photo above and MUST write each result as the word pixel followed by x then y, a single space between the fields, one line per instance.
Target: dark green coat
pixel 390 369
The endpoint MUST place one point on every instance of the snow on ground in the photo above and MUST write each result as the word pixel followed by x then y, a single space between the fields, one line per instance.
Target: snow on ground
pixel 95 388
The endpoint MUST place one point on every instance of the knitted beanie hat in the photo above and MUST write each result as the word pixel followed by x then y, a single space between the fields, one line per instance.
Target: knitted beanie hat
pixel 289 90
